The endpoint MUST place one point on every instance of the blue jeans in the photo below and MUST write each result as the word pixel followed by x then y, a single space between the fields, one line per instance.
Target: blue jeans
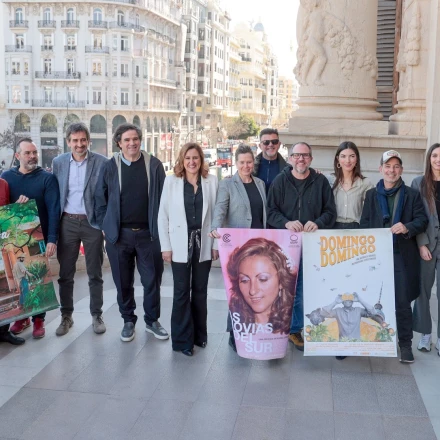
pixel 297 323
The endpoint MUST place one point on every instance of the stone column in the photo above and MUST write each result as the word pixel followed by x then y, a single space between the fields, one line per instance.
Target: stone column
pixel 412 65
pixel 337 65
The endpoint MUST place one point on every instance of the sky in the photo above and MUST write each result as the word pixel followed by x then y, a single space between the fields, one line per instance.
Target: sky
pixel 279 21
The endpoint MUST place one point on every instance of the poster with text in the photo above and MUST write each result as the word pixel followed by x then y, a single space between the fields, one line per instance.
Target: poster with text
pixel 349 293
pixel 26 287
pixel 260 268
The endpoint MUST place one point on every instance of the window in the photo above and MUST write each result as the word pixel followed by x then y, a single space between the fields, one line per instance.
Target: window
pixel 137 97
pixel 70 66
pixel 19 15
pixel 16 94
pixel 48 42
pixel 26 94
pixel 47 94
pixel 47 16
pixel 97 41
pixel 26 68
pixel 124 97
pixel 124 70
pixel 96 96
pixel 71 41
pixel 71 95
pixel 15 67
pixel 70 15
pixel 136 20
pixel 115 69
pixel 124 44
pixel 47 65
pixel 137 71
pixel 97 15
pixel 19 41
pixel 96 68
pixel 115 42
pixel 121 18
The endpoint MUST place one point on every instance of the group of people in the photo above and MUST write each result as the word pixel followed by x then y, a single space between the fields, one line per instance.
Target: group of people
pixel 146 218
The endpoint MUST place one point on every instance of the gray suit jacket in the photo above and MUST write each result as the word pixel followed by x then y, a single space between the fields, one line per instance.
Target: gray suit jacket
pixel 232 207
pixel 61 169
pixel 430 236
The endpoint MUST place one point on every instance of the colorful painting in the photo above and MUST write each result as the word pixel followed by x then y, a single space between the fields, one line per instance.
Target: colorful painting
pixel 260 269
pixel 349 307
pixel 26 286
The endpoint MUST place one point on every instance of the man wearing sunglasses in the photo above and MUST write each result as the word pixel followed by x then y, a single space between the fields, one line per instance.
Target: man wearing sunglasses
pixel 269 163
pixel 300 200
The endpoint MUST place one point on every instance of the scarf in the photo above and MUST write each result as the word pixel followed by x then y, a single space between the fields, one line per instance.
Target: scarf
pixel 382 195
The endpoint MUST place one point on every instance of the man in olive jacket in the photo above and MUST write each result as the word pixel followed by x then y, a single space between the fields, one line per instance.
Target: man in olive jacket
pixel 394 205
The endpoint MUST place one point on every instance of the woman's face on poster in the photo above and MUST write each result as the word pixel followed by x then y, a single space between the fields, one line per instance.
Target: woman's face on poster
pixel 259 283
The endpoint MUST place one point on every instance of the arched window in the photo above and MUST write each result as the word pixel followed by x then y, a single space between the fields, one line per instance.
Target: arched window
pixel 162 125
pixel 22 123
pixel 48 124
pixel 156 125
pixel 70 119
pixel 19 15
pixel 137 121
pixel 118 120
pixel 121 18
pixel 70 15
pixel 47 16
pixel 137 20
pixel 98 124
pixel 97 15
pixel 148 124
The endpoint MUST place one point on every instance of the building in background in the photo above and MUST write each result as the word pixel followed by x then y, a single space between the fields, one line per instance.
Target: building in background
pixel 287 96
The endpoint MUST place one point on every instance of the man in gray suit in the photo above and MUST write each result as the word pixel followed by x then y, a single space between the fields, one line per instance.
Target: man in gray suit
pixel 77 174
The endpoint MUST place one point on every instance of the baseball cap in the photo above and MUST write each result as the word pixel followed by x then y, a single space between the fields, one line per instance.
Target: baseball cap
pixel 389 155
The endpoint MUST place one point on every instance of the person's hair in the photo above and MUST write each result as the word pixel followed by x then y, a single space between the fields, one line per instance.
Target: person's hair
pixel 300 143
pixel 179 168
pixel 427 187
pixel 338 170
pixel 77 127
pixel 24 139
pixel 243 149
pixel 281 310
pixel 121 129
pixel 268 131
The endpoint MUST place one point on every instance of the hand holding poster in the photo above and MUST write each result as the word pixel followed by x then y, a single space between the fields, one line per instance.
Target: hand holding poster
pixel 260 269
pixel 26 287
pixel 349 293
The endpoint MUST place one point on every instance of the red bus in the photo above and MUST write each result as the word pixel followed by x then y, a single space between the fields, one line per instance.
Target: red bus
pixel 224 156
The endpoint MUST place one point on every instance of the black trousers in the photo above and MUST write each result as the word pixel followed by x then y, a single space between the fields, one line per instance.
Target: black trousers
pixel 72 232
pixel 190 311
pixel 136 247
pixel 4 328
pixel 403 303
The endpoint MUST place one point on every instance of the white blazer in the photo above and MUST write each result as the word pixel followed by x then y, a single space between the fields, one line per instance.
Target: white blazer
pixel 173 228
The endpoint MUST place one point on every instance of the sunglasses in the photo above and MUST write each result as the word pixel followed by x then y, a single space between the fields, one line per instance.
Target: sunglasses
pixel 298 155
pixel 273 142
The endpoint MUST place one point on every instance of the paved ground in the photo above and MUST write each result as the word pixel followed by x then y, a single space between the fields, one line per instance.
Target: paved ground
pixel 87 386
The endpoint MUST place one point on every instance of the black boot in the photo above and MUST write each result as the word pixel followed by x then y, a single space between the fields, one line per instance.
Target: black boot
pixel 12 339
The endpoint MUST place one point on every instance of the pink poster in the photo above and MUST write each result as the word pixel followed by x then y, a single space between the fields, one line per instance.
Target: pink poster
pixel 260 268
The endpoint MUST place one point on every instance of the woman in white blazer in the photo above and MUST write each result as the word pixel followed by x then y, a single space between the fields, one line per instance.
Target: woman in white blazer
pixel 185 215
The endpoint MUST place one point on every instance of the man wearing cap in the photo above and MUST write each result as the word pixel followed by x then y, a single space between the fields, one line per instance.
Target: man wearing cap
pixel 77 174
pixel 269 163
pixel 30 181
pixel 394 205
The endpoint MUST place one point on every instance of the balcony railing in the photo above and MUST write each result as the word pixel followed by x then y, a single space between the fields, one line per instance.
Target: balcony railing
pixel 165 82
pixel 69 48
pixel 96 101
pixel 18 23
pixel 124 102
pixel 15 48
pixel 57 75
pixel 96 73
pixel 98 24
pixel 46 47
pixel 70 23
pixel 95 49
pixel 124 74
pixel 47 24
pixel 57 103
pixel 126 25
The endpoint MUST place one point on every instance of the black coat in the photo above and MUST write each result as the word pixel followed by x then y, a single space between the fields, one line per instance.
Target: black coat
pixel 316 204
pixel 414 219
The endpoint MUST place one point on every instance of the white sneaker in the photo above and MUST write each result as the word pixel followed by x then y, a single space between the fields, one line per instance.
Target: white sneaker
pixel 437 346
pixel 424 343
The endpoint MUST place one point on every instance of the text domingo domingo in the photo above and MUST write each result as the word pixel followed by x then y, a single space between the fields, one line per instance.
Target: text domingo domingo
pixel 335 250
pixel 246 333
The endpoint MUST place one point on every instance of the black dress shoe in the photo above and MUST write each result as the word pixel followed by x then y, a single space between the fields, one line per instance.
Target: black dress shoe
pixel 12 339
pixel 188 352
pixel 340 358
pixel 201 344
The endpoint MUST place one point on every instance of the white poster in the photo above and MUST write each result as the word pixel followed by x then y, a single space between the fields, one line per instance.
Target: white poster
pixel 349 293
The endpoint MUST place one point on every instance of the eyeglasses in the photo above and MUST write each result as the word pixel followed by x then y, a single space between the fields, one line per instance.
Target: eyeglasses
pixel 303 155
pixel 273 142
